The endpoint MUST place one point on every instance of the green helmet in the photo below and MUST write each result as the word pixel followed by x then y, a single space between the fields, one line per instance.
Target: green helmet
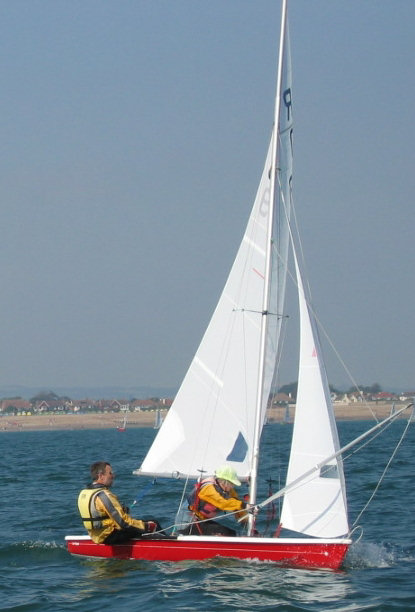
pixel 226 472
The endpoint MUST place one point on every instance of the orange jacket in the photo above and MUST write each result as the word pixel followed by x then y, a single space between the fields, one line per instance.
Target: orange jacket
pixel 209 499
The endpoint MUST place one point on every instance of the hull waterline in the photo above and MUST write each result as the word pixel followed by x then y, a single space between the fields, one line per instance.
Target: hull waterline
pixel 301 553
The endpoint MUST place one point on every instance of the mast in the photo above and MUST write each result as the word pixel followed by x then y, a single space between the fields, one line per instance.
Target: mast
pixel 266 297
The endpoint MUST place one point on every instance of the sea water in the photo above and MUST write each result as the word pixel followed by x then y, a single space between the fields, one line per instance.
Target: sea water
pixel 42 473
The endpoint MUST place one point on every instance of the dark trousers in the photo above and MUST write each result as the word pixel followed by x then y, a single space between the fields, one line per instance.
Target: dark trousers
pixel 208 528
pixel 119 536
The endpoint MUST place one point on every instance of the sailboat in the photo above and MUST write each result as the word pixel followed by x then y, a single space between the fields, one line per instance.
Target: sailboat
pixel 287 417
pixel 218 414
pixel 123 426
pixel 158 419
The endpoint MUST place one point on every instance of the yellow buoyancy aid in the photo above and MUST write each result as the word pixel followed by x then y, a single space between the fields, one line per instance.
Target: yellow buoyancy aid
pixel 91 517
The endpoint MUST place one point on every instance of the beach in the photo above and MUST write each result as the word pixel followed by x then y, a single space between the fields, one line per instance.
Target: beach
pixel 56 421
pixel 71 421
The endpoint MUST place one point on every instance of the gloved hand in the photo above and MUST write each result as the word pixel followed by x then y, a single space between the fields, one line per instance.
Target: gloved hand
pixel 252 508
pixel 151 526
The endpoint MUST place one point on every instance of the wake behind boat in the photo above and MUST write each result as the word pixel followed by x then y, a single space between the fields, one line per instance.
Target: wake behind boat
pixel 219 412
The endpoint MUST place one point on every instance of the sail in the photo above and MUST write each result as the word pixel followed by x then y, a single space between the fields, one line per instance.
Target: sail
pixel 213 417
pixel 211 420
pixel 317 506
pixel 158 420
pixel 282 204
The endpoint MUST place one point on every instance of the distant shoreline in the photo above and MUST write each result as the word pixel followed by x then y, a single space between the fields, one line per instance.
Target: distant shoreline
pixel 62 422
pixel 357 411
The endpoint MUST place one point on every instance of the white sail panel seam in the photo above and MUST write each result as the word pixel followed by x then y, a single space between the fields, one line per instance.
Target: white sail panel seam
pixel 208 371
pixel 253 245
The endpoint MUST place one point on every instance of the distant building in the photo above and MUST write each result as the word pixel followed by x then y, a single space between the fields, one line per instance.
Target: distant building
pixel 18 404
pixel 384 396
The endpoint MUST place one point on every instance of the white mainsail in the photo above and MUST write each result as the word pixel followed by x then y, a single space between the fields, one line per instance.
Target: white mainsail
pixel 212 419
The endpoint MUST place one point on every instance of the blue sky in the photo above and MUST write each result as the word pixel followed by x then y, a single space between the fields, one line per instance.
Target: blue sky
pixel 133 137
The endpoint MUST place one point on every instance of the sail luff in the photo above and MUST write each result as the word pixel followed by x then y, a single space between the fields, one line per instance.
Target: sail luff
pixel 266 298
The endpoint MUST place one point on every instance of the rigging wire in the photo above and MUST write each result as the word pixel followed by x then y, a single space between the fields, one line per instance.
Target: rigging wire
pixel 176 524
pixel 365 507
pixel 316 468
pixel 144 492
pixel 295 231
pixel 299 484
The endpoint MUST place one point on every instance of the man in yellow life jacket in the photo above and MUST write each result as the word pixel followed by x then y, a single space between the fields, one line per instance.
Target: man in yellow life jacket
pixel 106 520
pixel 211 497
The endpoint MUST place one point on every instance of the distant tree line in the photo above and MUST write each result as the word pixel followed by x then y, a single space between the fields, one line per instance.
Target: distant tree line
pixel 291 389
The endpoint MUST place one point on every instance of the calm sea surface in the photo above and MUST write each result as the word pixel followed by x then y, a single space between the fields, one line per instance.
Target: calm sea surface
pixel 42 473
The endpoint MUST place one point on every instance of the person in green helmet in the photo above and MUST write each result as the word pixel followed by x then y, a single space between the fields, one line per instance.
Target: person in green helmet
pixel 213 496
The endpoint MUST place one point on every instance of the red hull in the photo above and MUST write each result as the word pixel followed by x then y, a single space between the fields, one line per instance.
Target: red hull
pixel 304 553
